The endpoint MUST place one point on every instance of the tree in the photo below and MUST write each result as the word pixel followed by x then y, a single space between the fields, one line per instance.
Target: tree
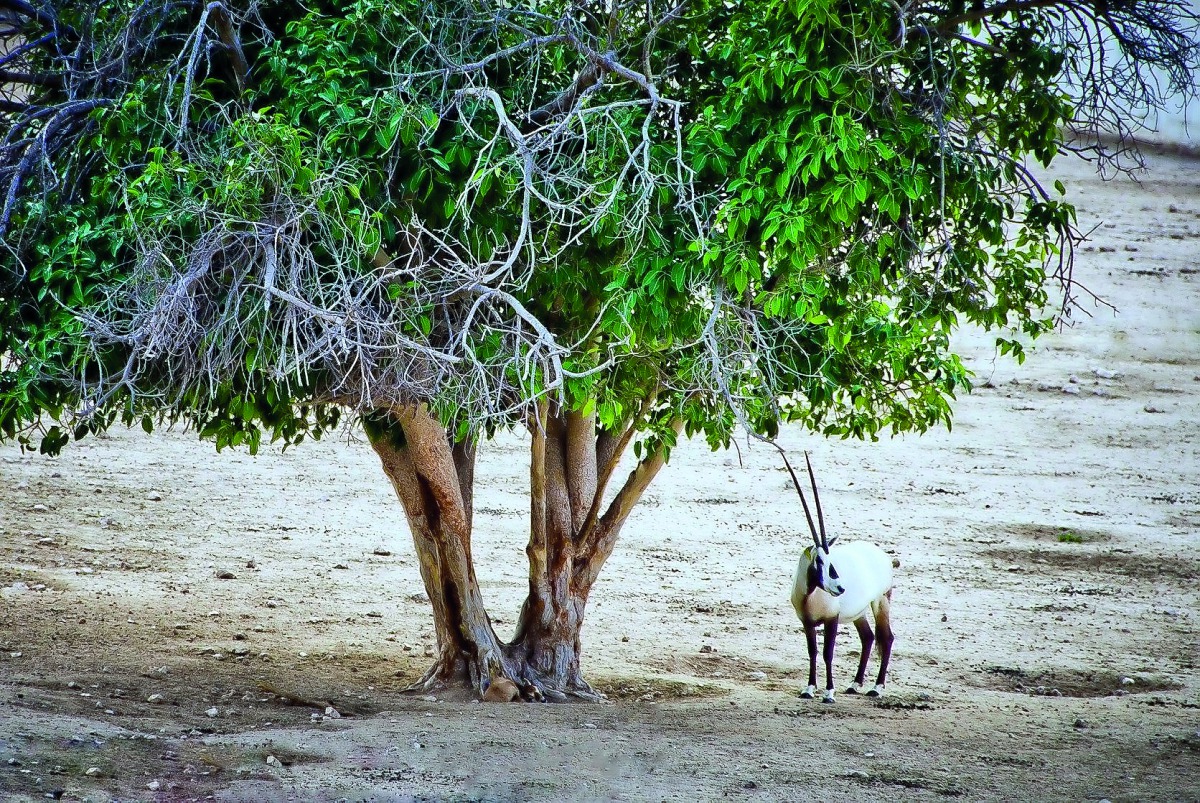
pixel 606 223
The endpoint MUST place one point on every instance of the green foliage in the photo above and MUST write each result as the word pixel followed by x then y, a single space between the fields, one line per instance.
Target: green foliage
pixel 797 239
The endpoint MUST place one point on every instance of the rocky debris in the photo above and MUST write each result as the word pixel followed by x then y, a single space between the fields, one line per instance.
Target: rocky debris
pixel 240 650
pixel 757 676
pixel 381 552
pixel 274 762
pixel 225 574
pixel 1071 390
pixel 340 566
pixel 93 772
pixel 212 712
pixel 1150 408
pixel 154 786
pixel 332 713
pixel 1081 724
pixel 1127 681
pixel 40 508
pixel 154 496
pixel 156 698
pixel 1105 373
pixel 708 649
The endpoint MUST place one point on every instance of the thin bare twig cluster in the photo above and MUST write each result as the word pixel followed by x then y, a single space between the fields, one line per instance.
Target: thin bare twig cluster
pixel 437 315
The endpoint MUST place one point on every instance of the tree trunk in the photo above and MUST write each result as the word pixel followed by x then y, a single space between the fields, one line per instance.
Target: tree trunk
pixel 568 544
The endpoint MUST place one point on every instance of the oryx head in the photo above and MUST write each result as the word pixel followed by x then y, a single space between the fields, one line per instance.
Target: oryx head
pixel 821 571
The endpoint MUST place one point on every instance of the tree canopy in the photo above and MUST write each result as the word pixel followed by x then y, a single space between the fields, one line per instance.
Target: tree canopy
pixel 613 221
pixel 250 215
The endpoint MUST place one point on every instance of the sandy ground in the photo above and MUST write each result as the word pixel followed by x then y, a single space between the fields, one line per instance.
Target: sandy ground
pixel 1045 609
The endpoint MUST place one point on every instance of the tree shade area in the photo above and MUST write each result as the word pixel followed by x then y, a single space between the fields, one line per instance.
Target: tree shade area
pixel 606 223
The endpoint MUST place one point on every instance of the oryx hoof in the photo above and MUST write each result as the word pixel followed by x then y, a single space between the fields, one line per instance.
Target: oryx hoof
pixel 828 698
pixel 876 692
pixel 853 689
pixel 809 692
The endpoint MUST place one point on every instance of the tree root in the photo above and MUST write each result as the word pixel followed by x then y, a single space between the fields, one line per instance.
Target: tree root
pixel 464 675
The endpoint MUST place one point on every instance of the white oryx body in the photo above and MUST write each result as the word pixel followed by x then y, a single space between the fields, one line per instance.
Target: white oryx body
pixel 842 583
pixel 865 572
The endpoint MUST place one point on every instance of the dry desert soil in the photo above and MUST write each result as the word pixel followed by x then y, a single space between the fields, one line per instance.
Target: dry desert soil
pixel 174 623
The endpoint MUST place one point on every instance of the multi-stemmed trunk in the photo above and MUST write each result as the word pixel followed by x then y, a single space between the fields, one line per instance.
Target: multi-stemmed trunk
pixel 572 533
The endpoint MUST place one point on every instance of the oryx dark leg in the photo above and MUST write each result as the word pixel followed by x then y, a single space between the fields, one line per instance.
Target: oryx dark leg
pixel 810 636
pixel 883 630
pixel 867 637
pixel 831 626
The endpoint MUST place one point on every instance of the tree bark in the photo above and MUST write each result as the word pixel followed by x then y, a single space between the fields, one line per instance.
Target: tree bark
pixel 568 544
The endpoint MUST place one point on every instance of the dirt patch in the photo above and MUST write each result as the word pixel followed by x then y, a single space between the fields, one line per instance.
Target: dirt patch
pixel 1062 533
pixel 1072 558
pixel 1070 682
pixel 644 689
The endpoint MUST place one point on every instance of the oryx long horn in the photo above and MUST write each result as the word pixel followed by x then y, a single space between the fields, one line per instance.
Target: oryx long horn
pixel 817 499
pixel 808 515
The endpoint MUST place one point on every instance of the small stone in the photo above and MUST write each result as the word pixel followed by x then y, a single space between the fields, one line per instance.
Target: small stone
pixel 708 648
pixel 273 762
pixel 315 717
pixel 1074 380
pixel 154 786
pixel 154 496
pixel 40 509
pixel 340 566
pixel 155 699
pixel 12 762
pixel 924 696
pixel 225 574
pixel 218 656
pixel 1150 408
pixel 589 725
pixel 757 676
pixel 332 712
pixel 1104 373
pixel 212 712
pixel 429 698
pixel 93 772
pixel 625 639
pixel 1071 390
pixel 857 774
pixel 1082 723
pixel 381 552
pixel 1127 681
pixel 72 685
pixel 944 618
pixel 1174 210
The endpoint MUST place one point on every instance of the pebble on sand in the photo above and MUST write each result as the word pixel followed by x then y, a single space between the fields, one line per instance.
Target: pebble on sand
pixel 212 712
